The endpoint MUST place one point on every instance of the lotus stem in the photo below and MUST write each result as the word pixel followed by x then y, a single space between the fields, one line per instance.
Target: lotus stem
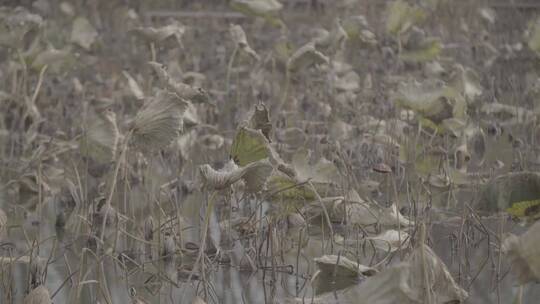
pixel 229 68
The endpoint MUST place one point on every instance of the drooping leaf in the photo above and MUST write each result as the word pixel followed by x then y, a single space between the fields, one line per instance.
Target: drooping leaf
pixel 333 40
pixel 254 174
pixel 239 38
pixel 248 146
pixel 304 57
pixel 159 121
pixel 523 253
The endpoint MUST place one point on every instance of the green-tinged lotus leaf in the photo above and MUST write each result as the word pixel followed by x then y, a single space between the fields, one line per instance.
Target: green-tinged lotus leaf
pixel 101 138
pixel 401 16
pixel 428 50
pixel 159 121
pixel 83 33
pixel 305 57
pixel 527 210
pixel 286 189
pixel 249 146
pixel 503 192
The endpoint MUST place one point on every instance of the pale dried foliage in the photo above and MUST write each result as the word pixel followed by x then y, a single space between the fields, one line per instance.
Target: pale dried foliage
pixel 38 295
pixel 319 152
pixel 101 139
pixel 254 175
pixel 159 121
pixel 523 252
